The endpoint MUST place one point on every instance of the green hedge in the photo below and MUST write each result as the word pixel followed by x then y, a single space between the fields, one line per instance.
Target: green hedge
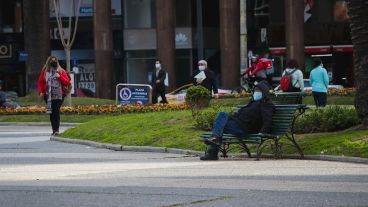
pixel 327 119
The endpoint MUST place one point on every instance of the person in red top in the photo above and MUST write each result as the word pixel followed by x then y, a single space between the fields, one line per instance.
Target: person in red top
pixel 257 70
pixel 51 86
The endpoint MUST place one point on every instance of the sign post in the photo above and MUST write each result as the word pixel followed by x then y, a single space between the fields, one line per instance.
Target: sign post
pixel 133 94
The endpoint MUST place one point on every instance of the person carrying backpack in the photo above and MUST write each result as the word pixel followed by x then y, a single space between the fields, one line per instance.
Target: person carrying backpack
pixel 292 78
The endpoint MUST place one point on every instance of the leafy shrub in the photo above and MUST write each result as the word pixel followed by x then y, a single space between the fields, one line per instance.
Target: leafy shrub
pixel 204 119
pixel 198 96
pixel 331 118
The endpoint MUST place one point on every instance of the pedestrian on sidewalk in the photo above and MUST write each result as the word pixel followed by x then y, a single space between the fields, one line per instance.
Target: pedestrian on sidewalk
pixel 52 86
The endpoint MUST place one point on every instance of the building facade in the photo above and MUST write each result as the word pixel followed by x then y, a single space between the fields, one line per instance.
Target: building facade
pixel 180 33
pixel 326 35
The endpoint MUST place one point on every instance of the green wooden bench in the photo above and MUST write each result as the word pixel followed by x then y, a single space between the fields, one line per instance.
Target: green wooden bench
pixel 282 126
pixel 288 97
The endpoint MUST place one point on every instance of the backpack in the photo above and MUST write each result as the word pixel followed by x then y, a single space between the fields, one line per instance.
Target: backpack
pixel 267 65
pixel 67 88
pixel 286 81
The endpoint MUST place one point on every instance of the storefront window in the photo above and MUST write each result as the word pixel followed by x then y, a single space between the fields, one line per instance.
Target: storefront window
pixel 10 16
pixel 139 65
pixel 139 14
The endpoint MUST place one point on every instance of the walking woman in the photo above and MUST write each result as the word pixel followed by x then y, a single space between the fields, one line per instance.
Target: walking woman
pixel 52 85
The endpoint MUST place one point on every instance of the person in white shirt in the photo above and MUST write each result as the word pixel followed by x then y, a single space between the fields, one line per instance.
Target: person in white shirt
pixel 292 67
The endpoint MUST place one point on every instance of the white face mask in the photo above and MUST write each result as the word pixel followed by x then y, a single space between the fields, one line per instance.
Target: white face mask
pixel 158 65
pixel 201 67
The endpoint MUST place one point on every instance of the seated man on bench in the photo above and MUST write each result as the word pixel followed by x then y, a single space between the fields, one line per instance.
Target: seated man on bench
pixel 255 117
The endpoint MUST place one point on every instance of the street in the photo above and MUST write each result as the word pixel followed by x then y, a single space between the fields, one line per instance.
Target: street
pixel 37 172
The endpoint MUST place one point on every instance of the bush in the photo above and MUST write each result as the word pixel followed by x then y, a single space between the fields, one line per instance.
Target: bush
pixel 204 119
pixel 198 96
pixel 330 118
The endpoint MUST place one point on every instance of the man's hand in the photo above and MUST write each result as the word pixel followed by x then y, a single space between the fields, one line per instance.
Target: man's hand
pixel 41 95
pixel 157 81
pixel 199 80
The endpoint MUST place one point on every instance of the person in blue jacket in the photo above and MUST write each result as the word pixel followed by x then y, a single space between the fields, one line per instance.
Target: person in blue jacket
pixel 319 82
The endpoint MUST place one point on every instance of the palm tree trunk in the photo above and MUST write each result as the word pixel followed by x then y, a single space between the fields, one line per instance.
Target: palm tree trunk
pixel 358 11
pixel 36 38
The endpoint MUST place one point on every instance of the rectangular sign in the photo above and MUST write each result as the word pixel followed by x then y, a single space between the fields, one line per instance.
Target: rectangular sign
pixel 86 77
pixel 70 8
pixel 133 94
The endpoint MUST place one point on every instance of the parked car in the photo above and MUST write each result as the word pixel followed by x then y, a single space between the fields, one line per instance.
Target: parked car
pixel 177 96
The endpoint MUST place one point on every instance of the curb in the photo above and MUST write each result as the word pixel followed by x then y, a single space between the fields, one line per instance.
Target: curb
pixel 117 147
pixel 34 124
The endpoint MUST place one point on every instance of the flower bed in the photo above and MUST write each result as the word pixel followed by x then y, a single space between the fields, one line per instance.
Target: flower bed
pixel 338 92
pixel 96 109
pixel 331 92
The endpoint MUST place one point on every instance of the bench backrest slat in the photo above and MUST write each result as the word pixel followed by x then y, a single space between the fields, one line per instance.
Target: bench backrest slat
pixel 282 119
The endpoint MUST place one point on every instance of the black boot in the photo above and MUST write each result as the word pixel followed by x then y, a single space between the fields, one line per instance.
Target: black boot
pixel 211 153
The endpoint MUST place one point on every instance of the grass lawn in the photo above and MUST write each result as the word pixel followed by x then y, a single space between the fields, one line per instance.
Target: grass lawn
pixel 175 130
pixel 33 99
pixel 350 142
pixel 160 129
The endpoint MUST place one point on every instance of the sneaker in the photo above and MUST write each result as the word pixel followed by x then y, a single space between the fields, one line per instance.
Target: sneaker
pixel 55 133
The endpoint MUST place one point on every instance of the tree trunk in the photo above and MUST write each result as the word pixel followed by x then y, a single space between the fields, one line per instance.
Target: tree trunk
pixel 294 31
pixel 230 42
pixel 165 30
pixel 102 25
pixel 36 38
pixel 67 59
pixel 358 11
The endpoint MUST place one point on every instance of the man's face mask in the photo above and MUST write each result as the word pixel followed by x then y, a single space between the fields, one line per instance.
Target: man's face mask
pixel 257 96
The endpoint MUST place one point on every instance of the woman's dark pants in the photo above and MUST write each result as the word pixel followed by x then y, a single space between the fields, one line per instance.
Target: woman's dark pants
pixel 320 98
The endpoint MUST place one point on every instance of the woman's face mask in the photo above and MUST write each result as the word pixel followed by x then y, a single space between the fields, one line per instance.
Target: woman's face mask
pixel 53 64
pixel 257 96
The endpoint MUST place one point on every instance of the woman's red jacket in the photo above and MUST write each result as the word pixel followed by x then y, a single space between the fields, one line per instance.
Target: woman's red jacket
pixel 41 84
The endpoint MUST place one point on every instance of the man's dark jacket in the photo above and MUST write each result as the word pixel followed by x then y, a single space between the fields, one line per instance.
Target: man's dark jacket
pixel 209 82
pixel 161 76
pixel 257 115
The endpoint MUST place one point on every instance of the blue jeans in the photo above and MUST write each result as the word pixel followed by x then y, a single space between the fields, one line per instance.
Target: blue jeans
pixel 223 124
